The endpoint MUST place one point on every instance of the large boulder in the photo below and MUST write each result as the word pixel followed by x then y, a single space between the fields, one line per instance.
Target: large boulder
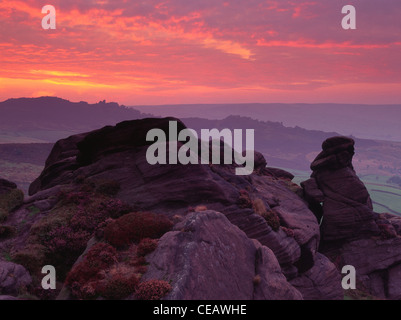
pixel 207 256
pixel 321 282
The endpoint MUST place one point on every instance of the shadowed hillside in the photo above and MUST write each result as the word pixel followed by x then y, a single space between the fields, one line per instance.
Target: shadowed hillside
pixel 363 121
pixel 48 119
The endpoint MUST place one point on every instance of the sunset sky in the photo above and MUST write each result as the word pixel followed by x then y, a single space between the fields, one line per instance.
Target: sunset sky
pixel 204 51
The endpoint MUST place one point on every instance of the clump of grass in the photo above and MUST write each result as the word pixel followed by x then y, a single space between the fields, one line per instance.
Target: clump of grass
pixel 256 280
pixel 200 208
pixel 33 210
pixel 288 231
pixel 244 200
pixel 270 216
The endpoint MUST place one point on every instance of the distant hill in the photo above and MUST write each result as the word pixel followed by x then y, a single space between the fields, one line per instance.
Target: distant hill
pixel 380 122
pixel 296 147
pixel 48 119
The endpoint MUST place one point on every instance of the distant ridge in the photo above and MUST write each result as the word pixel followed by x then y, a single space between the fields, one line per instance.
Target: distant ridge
pixel 360 120
pixel 47 119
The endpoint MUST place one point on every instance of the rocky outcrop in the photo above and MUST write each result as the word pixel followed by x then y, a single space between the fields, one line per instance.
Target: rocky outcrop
pixel 234 237
pixel 118 154
pixel 352 233
pixel 347 207
pixel 207 256
pixel 322 281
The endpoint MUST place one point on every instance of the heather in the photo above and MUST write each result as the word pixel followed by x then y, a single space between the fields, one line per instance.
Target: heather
pixel 136 226
pixel 152 290
pixel 61 236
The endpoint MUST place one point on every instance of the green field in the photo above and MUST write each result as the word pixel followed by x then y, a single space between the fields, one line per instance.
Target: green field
pixel 386 197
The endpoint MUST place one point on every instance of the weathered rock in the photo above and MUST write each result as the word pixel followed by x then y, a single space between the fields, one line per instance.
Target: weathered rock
pixel 13 278
pixel 337 153
pixel 273 284
pixel 207 256
pixel 368 255
pixel 321 282
pixel 377 264
pixel 347 207
pixel 59 164
pixel 376 283
pixel 314 196
pixel 352 233
pixel 295 216
pixel 394 220
pixel 259 160
pixel 393 283
pixel 312 193
pixel 279 173
pixel 285 248
pixel 347 211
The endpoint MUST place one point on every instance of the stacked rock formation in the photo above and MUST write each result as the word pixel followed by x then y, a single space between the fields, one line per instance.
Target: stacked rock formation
pixel 347 207
pixel 352 233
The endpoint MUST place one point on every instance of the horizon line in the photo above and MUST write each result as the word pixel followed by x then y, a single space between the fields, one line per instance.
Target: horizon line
pixel 210 103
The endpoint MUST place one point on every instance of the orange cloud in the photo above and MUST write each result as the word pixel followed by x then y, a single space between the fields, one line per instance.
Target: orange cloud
pixel 211 50
pixel 58 73
pixel 7 9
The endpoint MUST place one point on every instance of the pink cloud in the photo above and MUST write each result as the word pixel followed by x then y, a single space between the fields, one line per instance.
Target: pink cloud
pixel 178 48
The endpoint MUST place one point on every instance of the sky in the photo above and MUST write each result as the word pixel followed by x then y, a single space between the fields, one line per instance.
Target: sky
pixel 205 51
